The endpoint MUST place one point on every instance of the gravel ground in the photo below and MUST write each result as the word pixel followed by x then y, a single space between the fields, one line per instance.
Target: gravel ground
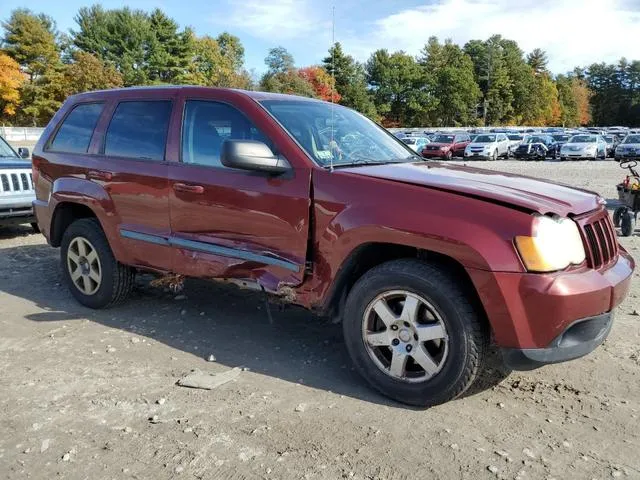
pixel 93 394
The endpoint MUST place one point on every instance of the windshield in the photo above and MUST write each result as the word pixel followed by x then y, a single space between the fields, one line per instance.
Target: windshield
pixel 337 135
pixel 561 138
pixel 5 149
pixel 485 139
pixel 583 139
pixel 443 139
pixel 515 137
pixel 632 139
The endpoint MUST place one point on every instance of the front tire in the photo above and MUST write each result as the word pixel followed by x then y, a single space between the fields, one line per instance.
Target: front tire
pixel 414 333
pixel 627 223
pixel 93 275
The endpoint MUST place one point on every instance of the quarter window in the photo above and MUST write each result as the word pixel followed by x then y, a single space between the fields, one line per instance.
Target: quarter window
pixel 74 135
pixel 138 130
pixel 207 124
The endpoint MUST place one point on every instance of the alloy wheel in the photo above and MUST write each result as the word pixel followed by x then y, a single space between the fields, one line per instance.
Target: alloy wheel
pixel 405 336
pixel 84 266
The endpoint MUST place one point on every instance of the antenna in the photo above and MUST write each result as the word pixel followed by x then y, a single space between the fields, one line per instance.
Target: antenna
pixel 333 77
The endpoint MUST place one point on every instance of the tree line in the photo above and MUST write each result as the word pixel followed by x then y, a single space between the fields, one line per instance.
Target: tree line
pixel 484 82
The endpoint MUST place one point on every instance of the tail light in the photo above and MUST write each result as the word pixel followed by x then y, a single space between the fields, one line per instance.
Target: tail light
pixel 35 171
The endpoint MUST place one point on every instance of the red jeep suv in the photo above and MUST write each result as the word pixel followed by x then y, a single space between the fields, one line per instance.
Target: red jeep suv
pixel 422 262
pixel 446 146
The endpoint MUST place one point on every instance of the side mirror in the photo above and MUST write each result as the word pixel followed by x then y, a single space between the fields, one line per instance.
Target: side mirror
pixel 252 155
pixel 23 152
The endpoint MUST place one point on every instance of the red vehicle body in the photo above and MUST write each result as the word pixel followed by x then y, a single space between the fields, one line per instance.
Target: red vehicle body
pixel 309 234
pixel 446 149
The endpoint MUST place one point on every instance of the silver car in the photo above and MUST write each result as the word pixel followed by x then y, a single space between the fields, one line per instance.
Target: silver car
pixel 415 143
pixel 628 148
pixel 584 147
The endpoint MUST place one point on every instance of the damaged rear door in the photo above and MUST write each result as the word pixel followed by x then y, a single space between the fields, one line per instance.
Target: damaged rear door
pixel 230 223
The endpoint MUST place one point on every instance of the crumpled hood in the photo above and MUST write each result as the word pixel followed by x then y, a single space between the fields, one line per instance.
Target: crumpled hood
pixel 524 192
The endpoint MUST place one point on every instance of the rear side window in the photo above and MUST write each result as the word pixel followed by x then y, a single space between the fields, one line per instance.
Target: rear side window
pixel 138 130
pixel 74 135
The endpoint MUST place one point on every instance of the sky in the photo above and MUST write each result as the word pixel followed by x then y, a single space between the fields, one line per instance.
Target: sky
pixel 573 32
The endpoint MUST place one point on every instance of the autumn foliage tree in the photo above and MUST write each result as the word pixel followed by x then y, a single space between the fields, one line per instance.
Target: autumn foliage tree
pixel 10 81
pixel 322 83
pixel 87 72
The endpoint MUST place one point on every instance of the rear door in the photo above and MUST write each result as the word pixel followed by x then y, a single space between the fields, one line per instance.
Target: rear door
pixel 132 168
pixel 233 223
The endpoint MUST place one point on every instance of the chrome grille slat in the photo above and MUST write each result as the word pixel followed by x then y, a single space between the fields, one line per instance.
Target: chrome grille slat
pixel 16 181
pixel 600 242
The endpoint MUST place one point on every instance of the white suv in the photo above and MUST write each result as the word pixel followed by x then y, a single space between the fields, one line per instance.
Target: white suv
pixel 488 146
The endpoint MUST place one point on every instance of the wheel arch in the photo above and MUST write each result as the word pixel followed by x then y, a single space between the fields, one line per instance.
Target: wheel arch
pixel 369 255
pixel 65 214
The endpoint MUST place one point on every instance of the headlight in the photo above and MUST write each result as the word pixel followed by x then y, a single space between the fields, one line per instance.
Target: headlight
pixel 590 148
pixel 554 245
pixel 444 148
pixel 487 147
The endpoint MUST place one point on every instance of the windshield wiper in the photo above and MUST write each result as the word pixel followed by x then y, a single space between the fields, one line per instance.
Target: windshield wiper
pixel 368 161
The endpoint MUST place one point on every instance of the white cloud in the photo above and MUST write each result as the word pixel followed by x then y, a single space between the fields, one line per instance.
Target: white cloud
pixel 573 32
pixel 273 20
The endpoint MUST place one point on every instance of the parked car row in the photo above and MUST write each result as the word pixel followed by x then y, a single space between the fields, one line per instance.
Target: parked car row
pixel 526 143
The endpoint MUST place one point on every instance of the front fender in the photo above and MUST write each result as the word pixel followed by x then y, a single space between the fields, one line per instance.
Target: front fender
pixel 352 211
pixel 474 242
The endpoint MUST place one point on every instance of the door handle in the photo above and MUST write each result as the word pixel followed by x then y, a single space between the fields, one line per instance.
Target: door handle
pixel 99 175
pixel 183 187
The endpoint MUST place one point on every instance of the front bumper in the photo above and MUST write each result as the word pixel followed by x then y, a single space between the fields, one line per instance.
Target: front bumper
pixel 476 156
pixel 531 311
pixel 15 211
pixel 578 155
pixel 434 154
pixel 527 156
pixel 626 156
pixel 579 339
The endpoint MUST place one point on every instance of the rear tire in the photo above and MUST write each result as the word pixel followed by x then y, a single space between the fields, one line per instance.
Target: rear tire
pixel 457 354
pixel 627 223
pixel 93 275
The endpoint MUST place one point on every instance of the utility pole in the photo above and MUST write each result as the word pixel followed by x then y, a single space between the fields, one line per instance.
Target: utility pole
pixel 485 103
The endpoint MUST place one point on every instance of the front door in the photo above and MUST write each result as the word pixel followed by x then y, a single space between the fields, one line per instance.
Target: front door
pixel 229 223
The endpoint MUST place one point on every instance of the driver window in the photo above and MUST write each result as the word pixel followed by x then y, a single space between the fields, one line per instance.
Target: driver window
pixel 207 124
